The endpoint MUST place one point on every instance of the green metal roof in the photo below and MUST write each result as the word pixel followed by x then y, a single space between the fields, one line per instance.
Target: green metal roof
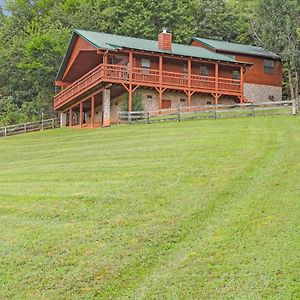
pixel 112 42
pixel 236 48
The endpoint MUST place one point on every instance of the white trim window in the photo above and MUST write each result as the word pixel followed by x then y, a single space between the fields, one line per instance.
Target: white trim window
pixel 269 66
pixel 145 64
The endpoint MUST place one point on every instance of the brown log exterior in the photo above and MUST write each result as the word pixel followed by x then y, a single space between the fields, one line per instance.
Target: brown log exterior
pixel 256 74
pixel 90 71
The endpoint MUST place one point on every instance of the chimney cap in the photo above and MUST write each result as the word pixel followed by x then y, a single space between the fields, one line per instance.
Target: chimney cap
pixel 165 30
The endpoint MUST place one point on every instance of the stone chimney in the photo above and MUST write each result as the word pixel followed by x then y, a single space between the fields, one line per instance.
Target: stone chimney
pixel 165 41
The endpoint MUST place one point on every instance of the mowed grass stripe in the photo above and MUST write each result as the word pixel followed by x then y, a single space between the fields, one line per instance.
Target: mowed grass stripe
pixel 159 211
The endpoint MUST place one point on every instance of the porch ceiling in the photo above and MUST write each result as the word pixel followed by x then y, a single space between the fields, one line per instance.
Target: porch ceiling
pixel 83 63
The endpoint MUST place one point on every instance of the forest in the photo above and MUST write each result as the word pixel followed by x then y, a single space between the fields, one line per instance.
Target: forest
pixel 34 35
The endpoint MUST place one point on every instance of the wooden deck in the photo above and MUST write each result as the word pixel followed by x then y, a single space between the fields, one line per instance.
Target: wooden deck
pixel 149 78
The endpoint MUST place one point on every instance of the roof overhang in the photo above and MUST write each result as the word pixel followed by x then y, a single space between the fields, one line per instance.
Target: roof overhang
pixel 217 49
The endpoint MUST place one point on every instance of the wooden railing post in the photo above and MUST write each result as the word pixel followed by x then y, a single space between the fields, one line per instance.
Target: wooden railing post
pixel 252 109
pixel 294 107
pixel 215 111
pixel 160 80
pixel 148 117
pixel 178 114
pixel 70 117
pixel 242 84
pixel 217 78
pixel 189 81
pixel 92 111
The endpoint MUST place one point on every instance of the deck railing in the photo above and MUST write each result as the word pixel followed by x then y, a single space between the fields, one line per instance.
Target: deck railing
pixel 118 73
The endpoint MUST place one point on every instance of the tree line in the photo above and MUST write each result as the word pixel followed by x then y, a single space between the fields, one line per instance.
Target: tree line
pixel 35 34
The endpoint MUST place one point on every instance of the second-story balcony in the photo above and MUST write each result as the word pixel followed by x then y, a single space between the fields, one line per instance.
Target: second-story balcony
pixel 146 77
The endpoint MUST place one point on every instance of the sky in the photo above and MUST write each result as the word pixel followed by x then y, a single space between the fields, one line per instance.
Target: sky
pixel 1 4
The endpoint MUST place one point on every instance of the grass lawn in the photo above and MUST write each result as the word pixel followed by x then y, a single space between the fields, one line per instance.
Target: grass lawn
pixel 191 210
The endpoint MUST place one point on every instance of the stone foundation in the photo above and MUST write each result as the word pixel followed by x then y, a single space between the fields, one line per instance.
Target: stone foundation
pixel 262 93
pixel 150 100
pixel 106 107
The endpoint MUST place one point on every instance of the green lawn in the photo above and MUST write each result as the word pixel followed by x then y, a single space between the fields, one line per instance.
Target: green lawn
pixel 191 210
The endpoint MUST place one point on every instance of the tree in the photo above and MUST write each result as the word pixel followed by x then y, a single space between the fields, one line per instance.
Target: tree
pixel 276 26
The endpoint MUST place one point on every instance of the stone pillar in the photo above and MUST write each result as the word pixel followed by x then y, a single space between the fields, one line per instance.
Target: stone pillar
pixel 63 119
pixel 106 107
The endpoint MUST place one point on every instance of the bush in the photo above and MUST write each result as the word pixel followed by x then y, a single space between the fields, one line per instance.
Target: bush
pixel 137 102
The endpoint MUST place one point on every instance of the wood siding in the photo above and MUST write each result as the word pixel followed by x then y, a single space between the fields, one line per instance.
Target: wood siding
pixel 80 46
pixel 256 74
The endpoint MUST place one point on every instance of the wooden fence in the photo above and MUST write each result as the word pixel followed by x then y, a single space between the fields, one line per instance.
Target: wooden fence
pixel 211 112
pixel 29 127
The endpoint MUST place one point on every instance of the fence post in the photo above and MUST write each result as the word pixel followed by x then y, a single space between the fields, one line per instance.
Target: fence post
pixel 178 114
pixel 215 111
pixel 294 108
pixel 5 131
pixel 53 123
pixel 129 117
pixel 252 109
pixel 25 127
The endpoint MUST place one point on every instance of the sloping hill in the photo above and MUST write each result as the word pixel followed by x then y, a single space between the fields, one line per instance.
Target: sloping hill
pixel 196 210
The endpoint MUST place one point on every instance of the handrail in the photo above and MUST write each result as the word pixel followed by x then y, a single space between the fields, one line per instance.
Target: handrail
pixel 121 72
pixel 59 98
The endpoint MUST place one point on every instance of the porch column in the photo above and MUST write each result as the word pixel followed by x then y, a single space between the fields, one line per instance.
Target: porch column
pixel 92 111
pixel 216 83
pixel 63 119
pixel 70 117
pixel 106 107
pixel 130 98
pixel 160 80
pixel 189 81
pixel 130 81
pixel 242 84
pixel 80 114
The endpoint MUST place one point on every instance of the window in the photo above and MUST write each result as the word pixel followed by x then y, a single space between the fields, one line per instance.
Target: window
pixel 203 71
pixel 145 63
pixel 149 97
pixel 115 60
pixel 269 66
pixel 185 68
pixel 145 66
pixel 185 71
pixel 236 75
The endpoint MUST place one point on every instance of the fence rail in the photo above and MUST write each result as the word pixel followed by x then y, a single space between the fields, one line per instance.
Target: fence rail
pixel 211 112
pixel 29 127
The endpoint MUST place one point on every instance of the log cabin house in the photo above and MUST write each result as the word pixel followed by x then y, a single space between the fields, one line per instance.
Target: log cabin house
pixel 101 71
